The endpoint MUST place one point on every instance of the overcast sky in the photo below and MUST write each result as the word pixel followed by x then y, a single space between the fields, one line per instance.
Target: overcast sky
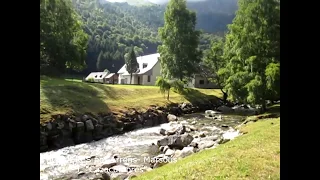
pixel 163 1
pixel 154 1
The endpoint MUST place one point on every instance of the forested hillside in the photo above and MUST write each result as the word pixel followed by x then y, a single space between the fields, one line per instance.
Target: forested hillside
pixel 114 27
pixel 102 32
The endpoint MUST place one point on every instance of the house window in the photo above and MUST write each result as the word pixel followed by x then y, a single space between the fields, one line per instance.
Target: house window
pixel 149 78
pixel 100 76
pixel 95 76
pixel 201 82
pixel 144 65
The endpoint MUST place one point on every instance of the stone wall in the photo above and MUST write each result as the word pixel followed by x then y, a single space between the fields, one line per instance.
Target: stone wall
pixel 68 130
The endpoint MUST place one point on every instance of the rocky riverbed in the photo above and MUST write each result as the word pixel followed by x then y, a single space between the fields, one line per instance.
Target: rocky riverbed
pixel 68 130
pixel 125 155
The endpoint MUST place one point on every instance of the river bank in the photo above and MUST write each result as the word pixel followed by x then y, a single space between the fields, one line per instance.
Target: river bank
pixel 67 97
pixel 140 150
pixel 253 155
pixel 128 154
pixel 69 130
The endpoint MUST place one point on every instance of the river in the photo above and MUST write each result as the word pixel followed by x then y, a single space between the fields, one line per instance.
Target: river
pixel 87 157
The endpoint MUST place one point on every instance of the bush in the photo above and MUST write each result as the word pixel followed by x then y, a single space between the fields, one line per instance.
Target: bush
pixel 90 80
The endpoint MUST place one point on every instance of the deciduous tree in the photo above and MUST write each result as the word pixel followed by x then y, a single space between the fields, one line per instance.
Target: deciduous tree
pixel 252 49
pixel 179 50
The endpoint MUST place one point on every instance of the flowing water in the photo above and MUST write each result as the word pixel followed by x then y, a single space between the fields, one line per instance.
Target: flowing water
pixel 135 144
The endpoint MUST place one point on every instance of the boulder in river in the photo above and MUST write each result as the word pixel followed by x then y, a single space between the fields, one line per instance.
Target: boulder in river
pixel 162 131
pixel 193 144
pixel 172 117
pixel 205 144
pixel 169 152
pixel 159 160
pixel 165 148
pixel 176 141
pixel 161 148
pixel 109 163
pixel 119 176
pixel 192 128
pixel 186 151
pixel 211 113
pixel 119 169
pixel 172 128
pixel 202 134
pixel 244 109
pixel 105 176
pixel 225 109
pixel 154 149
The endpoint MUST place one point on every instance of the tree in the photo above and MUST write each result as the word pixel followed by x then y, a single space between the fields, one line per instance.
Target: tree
pixel 179 50
pixel 214 64
pixel 131 63
pixel 273 81
pixel 62 40
pixel 107 71
pixel 100 61
pixel 252 49
pixel 164 86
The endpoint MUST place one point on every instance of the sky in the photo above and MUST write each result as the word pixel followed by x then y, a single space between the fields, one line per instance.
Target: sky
pixel 154 1
pixel 164 1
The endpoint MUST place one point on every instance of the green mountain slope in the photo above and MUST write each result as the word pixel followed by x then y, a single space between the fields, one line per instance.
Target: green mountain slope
pixel 114 27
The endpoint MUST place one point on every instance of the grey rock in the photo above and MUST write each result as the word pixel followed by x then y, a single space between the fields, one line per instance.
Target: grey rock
pixel 202 134
pixel 186 151
pixel 225 109
pixel 165 148
pixel 120 169
pixel 163 142
pixel 194 144
pixel 80 124
pixel 119 176
pixel 89 125
pixel 49 126
pixel 81 173
pixel 169 152
pixel 205 144
pixel 105 176
pixel 109 163
pixel 211 113
pixel 172 117
pixel 162 131
pixel 176 141
pixel 161 148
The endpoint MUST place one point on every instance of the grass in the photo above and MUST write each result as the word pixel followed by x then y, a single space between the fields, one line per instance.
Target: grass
pixel 63 96
pixel 254 155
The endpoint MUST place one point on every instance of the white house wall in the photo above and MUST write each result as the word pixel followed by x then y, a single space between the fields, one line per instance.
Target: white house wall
pixel 126 79
pixel 206 84
pixel 155 72
pixel 134 79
